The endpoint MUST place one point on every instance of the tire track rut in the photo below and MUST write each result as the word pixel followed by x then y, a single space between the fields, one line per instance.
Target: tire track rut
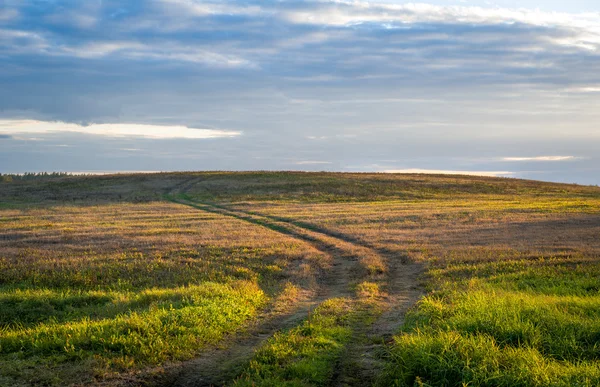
pixel 361 362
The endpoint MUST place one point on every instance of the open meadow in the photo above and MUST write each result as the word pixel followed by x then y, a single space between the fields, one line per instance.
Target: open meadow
pixel 298 279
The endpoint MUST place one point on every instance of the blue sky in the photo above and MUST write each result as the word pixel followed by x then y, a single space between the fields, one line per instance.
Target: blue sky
pixel 494 87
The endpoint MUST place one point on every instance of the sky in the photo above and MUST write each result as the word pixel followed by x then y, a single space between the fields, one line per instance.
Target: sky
pixel 498 88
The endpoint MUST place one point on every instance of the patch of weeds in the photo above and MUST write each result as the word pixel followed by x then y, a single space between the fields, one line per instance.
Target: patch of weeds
pixel 305 355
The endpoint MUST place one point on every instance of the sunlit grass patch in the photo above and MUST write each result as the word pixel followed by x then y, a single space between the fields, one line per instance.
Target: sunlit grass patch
pixel 533 322
pixel 453 358
pixel 559 327
pixel 561 273
pixel 28 308
pixel 156 325
pixel 367 290
pixel 307 355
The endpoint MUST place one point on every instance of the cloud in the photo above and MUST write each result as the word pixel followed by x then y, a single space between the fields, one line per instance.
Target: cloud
pixel 11 127
pixel 342 12
pixel 351 82
pixel 313 162
pixel 208 8
pixel 17 41
pixel 445 172
pixel 5 136
pixel 584 90
pixel 320 42
pixel 540 158
pixel 171 53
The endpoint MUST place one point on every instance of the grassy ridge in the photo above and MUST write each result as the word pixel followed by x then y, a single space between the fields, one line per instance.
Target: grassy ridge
pixel 98 276
pixel 287 187
pixel 364 187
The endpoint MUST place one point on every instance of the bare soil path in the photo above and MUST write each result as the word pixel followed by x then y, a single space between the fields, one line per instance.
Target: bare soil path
pixel 360 364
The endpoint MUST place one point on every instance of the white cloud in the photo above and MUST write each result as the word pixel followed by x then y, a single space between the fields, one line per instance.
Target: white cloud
pixel 170 52
pixel 353 12
pixel 584 28
pixel 193 55
pixel 100 49
pixel 22 41
pixel 540 158
pixel 112 130
pixel 584 90
pixel 203 8
pixel 573 31
pixel 445 172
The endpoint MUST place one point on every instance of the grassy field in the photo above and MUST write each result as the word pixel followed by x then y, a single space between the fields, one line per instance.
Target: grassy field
pixel 298 279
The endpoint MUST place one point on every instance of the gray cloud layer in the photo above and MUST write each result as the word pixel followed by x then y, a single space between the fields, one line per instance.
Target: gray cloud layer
pixel 310 84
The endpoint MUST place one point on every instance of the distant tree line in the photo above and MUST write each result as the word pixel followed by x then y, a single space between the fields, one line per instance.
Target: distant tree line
pixel 8 177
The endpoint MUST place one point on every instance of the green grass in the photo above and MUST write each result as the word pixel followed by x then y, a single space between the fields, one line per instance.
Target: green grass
pixel 87 292
pixel 307 354
pixel 451 358
pixel 514 322
pixel 119 331
pixel 173 325
pixel 116 331
pixel 100 276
